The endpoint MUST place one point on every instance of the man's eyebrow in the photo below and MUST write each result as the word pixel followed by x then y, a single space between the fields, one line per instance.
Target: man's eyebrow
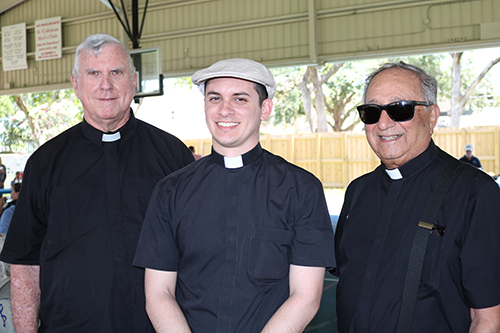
pixel 88 69
pixel 242 93
pixel 393 99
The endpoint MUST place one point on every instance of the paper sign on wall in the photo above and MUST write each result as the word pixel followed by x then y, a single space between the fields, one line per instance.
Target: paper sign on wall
pixel 14 47
pixel 48 38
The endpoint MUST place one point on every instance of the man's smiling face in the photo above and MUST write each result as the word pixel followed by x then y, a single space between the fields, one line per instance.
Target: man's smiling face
pixel 233 114
pixel 105 86
pixel 396 143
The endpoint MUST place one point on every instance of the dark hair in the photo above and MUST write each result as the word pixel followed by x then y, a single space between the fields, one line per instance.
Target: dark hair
pixel 191 148
pixel 428 84
pixel 261 91
pixel 16 187
pixel 259 88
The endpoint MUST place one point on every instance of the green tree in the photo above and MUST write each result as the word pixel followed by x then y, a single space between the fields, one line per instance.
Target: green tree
pixel 327 95
pixel 464 85
pixel 330 93
pixel 287 101
pixel 15 133
pixel 458 80
pixel 37 117
pixel 433 64
pixel 344 95
pixel 313 82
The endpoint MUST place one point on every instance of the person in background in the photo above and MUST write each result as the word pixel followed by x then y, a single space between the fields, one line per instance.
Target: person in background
pixel 469 158
pixel 251 256
pixel 74 232
pixel 3 174
pixel 9 209
pixel 196 156
pixel 458 290
pixel 17 179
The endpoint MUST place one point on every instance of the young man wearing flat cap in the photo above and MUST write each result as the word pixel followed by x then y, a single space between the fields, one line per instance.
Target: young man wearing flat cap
pixel 251 257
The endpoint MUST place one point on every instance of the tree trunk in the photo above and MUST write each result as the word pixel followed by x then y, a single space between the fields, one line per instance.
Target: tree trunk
pixel 35 128
pixel 319 100
pixel 456 98
pixel 459 100
pixel 307 100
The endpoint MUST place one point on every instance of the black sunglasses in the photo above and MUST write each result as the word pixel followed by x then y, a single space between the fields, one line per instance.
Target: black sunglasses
pixel 398 111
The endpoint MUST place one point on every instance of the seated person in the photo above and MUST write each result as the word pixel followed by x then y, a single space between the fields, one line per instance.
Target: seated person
pixel 9 209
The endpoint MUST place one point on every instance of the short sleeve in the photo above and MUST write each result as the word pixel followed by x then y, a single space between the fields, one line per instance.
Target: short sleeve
pixel 313 243
pixel 29 224
pixel 156 248
pixel 481 248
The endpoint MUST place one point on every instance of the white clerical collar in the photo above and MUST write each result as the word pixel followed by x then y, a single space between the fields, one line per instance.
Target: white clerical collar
pixel 111 137
pixel 394 174
pixel 233 162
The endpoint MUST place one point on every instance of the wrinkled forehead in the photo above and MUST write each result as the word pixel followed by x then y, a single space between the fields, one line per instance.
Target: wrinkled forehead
pixel 393 85
pixel 107 60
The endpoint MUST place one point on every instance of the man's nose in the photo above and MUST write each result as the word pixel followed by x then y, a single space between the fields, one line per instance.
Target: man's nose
pixel 106 83
pixel 226 109
pixel 385 121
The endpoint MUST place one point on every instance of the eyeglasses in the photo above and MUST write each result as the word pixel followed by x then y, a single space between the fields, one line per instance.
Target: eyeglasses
pixel 398 111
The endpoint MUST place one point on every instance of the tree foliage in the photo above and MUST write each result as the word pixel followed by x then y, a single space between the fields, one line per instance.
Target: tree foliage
pixel 31 119
pixel 287 101
pixel 15 134
pixel 464 85
pixel 326 95
pixel 344 95
pixel 329 94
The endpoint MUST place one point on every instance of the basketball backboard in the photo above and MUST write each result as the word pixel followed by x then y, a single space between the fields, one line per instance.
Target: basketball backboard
pixel 148 68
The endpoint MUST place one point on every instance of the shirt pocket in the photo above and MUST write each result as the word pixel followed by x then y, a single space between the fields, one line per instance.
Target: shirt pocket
pixel 269 253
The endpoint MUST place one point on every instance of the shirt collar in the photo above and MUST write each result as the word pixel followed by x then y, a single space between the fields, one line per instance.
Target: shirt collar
pixel 237 161
pixel 111 137
pixel 415 165
pixel 96 136
pixel 394 174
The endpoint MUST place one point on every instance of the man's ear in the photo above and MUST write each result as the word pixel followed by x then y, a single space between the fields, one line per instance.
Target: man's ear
pixel 266 108
pixel 435 112
pixel 74 83
pixel 135 81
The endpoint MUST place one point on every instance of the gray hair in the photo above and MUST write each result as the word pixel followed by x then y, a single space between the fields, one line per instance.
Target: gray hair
pixel 95 43
pixel 428 84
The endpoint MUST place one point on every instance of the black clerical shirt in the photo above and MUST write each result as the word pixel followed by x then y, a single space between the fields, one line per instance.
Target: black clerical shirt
pixel 79 216
pixel 373 240
pixel 230 228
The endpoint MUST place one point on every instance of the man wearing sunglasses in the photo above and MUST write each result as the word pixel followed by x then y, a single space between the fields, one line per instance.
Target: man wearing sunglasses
pixel 459 286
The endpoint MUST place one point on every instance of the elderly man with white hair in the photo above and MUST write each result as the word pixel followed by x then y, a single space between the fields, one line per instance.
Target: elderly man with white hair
pixel 77 221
